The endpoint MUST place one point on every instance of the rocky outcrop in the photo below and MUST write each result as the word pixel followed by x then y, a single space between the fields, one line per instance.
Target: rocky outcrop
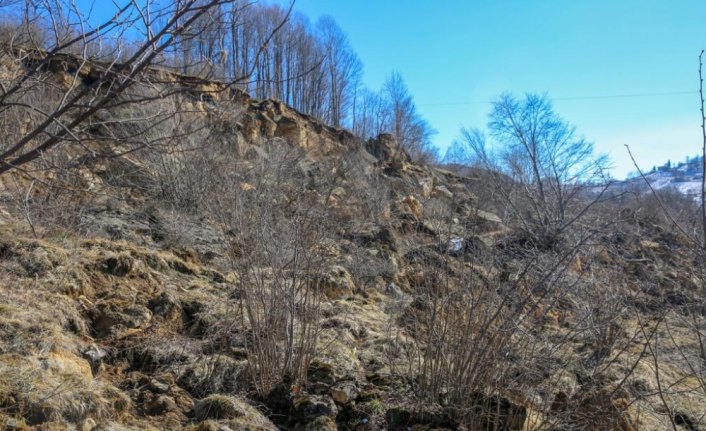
pixel 270 119
pixel 131 329
pixel 385 149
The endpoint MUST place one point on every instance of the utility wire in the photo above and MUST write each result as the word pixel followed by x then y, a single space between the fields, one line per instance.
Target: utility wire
pixel 608 96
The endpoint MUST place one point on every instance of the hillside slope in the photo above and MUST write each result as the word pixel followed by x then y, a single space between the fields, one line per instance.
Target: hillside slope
pixel 266 271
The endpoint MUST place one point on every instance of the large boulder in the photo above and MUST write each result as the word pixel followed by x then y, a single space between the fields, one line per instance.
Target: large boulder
pixel 344 392
pixel 270 120
pixel 385 149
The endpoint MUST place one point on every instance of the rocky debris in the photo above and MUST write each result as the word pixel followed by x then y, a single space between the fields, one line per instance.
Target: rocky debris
pixel 382 379
pixel 410 208
pixel 344 392
pixel 158 387
pixel 426 185
pixel 443 191
pixel 385 149
pixel 321 372
pixel 161 405
pixel 159 398
pixel 394 291
pixel 211 374
pixel 148 296
pixel 308 408
pixel 336 283
pixel 455 246
pixel 472 247
pixel 371 235
pixel 115 318
pixel 94 355
pixel 273 119
pixel 485 221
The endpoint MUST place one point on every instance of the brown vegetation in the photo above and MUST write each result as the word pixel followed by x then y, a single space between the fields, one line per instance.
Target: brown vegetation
pixel 253 268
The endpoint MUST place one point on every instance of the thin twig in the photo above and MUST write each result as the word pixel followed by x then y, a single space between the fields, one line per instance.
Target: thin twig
pixel 703 151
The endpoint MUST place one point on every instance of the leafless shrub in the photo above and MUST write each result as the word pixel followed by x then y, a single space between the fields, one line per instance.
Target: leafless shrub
pixel 538 162
pixel 273 223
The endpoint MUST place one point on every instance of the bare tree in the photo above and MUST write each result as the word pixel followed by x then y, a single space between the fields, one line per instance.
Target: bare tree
pixel 372 114
pixel 272 225
pixel 703 149
pixel 411 131
pixel 548 164
pixel 101 74
pixel 343 67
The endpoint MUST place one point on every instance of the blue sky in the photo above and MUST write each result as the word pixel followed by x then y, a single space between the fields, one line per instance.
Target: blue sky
pixel 456 55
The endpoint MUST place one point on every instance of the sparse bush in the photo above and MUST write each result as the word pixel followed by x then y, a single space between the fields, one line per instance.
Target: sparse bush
pixel 273 227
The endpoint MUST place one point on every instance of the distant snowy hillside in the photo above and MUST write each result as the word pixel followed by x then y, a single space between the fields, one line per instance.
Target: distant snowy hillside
pixel 685 177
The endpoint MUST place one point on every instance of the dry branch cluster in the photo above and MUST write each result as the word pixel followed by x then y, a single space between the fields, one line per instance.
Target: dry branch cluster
pixel 220 261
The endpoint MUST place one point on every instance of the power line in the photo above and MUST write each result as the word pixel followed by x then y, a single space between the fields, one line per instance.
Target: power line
pixel 605 96
pixel 627 96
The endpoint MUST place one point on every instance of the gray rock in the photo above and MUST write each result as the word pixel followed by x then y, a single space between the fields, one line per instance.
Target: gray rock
pixel 94 355
pixel 394 291
pixel 443 191
pixel 344 392
pixel 158 387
